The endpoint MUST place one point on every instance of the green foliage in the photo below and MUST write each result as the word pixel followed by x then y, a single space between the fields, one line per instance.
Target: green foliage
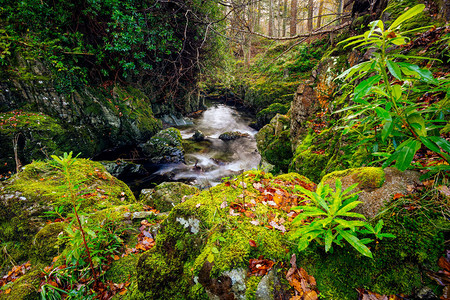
pixel 331 211
pixel 405 124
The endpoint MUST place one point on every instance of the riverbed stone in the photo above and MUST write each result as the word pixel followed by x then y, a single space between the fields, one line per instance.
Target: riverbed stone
pixel 377 186
pixel 232 135
pixel 166 195
pixel 164 147
pixel 198 136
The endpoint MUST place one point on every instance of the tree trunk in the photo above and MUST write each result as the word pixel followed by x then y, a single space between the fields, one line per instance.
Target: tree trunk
pixel 284 17
pixel 310 15
pixel 319 17
pixel 270 31
pixel 293 23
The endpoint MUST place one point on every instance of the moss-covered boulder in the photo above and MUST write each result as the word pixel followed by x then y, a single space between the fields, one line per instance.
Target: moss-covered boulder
pixel 24 288
pixel 34 135
pixel 46 244
pixel 167 194
pixel 207 240
pixel 376 186
pixel 317 154
pixel 266 115
pixel 164 147
pixel 273 142
pixel 27 196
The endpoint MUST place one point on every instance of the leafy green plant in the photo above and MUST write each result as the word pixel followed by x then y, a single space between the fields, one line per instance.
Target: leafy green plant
pixel 332 219
pixel 406 124
pixel 64 163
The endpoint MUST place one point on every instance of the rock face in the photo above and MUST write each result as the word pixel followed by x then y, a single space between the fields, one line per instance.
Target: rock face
pixel 94 119
pixel 273 142
pixel 166 195
pixel 165 147
pixel 377 186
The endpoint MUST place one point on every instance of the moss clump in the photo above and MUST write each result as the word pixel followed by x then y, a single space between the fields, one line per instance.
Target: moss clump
pixel 46 244
pixel 318 154
pixel 166 195
pixel 368 178
pixel 24 288
pixel 124 269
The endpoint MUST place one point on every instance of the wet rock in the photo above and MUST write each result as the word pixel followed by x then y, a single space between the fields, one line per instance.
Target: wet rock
pixel 198 136
pixel 377 186
pixel 167 194
pixel 232 135
pixel 124 169
pixel 165 147
pixel 273 142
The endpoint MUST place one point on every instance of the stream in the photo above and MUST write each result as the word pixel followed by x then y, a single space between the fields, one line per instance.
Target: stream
pixel 208 161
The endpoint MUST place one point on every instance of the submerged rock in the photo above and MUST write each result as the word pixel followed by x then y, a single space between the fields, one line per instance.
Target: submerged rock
pixel 232 135
pixel 377 186
pixel 198 136
pixel 167 194
pixel 165 147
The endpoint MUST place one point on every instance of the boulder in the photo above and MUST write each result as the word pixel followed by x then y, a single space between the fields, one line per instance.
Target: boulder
pixel 122 169
pixel 273 142
pixel 204 246
pixel 164 147
pixel 39 187
pixel 377 186
pixel 167 194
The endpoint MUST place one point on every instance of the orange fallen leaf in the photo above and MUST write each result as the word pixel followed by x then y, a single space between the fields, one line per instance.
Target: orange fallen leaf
pixel 7 291
pixel 252 243
pixel 116 257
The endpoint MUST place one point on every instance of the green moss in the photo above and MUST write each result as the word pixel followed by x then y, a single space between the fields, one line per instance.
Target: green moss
pixel 252 286
pixel 369 178
pixel 166 195
pixel 24 288
pixel 46 244
pixel 124 269
pixel 264 116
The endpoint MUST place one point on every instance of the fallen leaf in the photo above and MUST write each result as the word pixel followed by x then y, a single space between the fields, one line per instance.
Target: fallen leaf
pixel 252 243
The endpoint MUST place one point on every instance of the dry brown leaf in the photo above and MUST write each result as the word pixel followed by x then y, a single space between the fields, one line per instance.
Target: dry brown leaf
pixel 311 295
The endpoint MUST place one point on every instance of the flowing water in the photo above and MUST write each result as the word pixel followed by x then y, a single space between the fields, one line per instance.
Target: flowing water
pixel 214 158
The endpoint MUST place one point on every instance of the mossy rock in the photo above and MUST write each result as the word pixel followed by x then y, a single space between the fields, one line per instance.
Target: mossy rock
pixel 232 135
pixel 37 135
pixel 164 147
pixel 317 155
pixel 264 116
pixel 40 186
pixel 273 142
pixel 24 288
pixel 202 230
pixel 376 186
pixel 167 194
pixel 46 244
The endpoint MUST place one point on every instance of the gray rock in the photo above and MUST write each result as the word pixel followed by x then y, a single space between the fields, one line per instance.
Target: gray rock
pixel 232 135
pixel 165 147
pixel 166 195
pixel 264 291
pixel 123 169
